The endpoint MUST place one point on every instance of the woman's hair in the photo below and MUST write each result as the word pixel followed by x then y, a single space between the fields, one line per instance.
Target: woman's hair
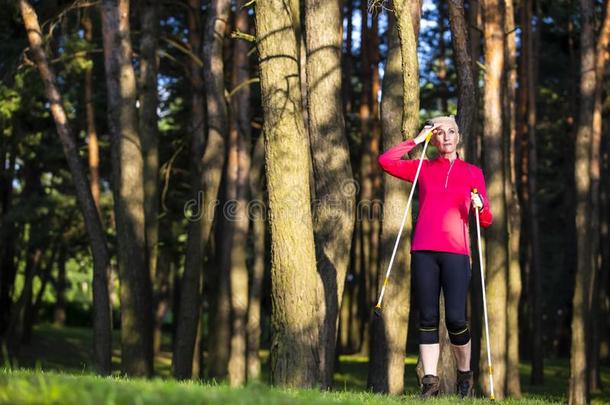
pixel 445 121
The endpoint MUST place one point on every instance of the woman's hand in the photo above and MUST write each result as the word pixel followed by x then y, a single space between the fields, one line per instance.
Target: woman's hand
pixel 476 200
pixel 421 137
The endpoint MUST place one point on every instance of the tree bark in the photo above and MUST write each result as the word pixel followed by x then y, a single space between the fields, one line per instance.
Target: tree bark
pixel 149 132
pixel 400 98
pixel 578 392
pixel 257 224
pixel 369 279
pixel 535 268
pixel 473 143
pixel 467 102
pixel 238 171
pixel 212 166
pixel 513 386
pixel 347 59
pixel 92 139
pixel 101 261
pixel 443 90
pixel 189 299
pixel 334 187
pixel 128 188
pixel 295 335
pixel 496 237
pixel 601 56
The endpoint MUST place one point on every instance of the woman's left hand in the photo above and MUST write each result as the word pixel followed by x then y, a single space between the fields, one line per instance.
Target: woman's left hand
pixel 476 200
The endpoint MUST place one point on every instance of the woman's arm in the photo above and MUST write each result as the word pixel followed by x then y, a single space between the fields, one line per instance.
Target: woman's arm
pixel 391 162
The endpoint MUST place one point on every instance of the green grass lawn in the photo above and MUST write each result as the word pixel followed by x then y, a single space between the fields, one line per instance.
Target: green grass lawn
pixel 55 369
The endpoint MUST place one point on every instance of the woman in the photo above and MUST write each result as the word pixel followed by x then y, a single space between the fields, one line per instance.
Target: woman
pixel 440 250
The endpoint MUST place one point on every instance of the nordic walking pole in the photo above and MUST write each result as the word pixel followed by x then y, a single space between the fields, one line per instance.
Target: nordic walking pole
pixel 481 265
pixel 404 219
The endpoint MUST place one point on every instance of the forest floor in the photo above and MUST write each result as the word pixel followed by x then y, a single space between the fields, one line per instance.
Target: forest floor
pixel 55 369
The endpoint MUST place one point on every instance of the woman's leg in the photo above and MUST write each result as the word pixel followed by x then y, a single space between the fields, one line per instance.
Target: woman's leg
pixel 426 280
pixel 455 279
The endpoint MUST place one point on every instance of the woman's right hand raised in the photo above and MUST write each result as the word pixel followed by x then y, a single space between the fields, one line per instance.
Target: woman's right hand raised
pixel 421 137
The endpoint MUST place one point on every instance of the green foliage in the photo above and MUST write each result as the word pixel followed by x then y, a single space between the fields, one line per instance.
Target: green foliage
pixel 10 100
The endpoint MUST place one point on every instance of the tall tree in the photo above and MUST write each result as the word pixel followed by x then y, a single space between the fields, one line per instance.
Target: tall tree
pixel 101 261
pixel 334 190
pixel 467 105
pixel 238 174
pixel 365 231
pixel 496 237
pixel 213 160
pixel 149 132
pixel 92 139
pixel 294 281
pixel 601 56
pixel 579 390
pixel 513 386
pixel 400 99
pixel 190 298
pixel 257 225
pixel 529 80
pixel 128 190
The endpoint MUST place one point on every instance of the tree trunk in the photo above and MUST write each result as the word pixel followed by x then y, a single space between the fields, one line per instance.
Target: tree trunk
pixel 369 280
pixel 127 174
pixel 92 139
pixel 295 335
pixel 347 59
pixel 473 143
pixel 187 319
pixel 496 241
pixel 400 98
pixel 467 101
pixel 149 133
pixel 443 90
pixel 101 260
pixel 601 56
pixel 334 188
pixel 16 326
pixel 513 386
pixel 578 393
pixel 522 176
pixel 212 166
pixel 162 296
pixel 33 306
pixel 238 173
pixel 258 266
pixel 535 268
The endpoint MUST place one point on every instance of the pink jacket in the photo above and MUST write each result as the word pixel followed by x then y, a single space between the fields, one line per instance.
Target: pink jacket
pixel 444 198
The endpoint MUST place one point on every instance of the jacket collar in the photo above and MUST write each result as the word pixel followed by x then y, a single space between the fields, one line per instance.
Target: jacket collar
pixel 440 158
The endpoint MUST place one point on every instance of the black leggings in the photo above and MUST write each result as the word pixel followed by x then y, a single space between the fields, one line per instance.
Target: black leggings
pixel 451 271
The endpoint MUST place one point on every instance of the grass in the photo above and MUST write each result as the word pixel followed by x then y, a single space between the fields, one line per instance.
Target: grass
pixel 54 370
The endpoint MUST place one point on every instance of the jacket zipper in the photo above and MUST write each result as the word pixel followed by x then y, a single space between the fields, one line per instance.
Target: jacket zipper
pixel 448 171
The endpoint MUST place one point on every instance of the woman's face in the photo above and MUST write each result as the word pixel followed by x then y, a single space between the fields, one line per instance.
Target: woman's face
pixel 445 138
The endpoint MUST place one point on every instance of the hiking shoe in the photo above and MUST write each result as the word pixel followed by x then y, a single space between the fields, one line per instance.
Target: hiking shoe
pixel 465 382
pixel 430 386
